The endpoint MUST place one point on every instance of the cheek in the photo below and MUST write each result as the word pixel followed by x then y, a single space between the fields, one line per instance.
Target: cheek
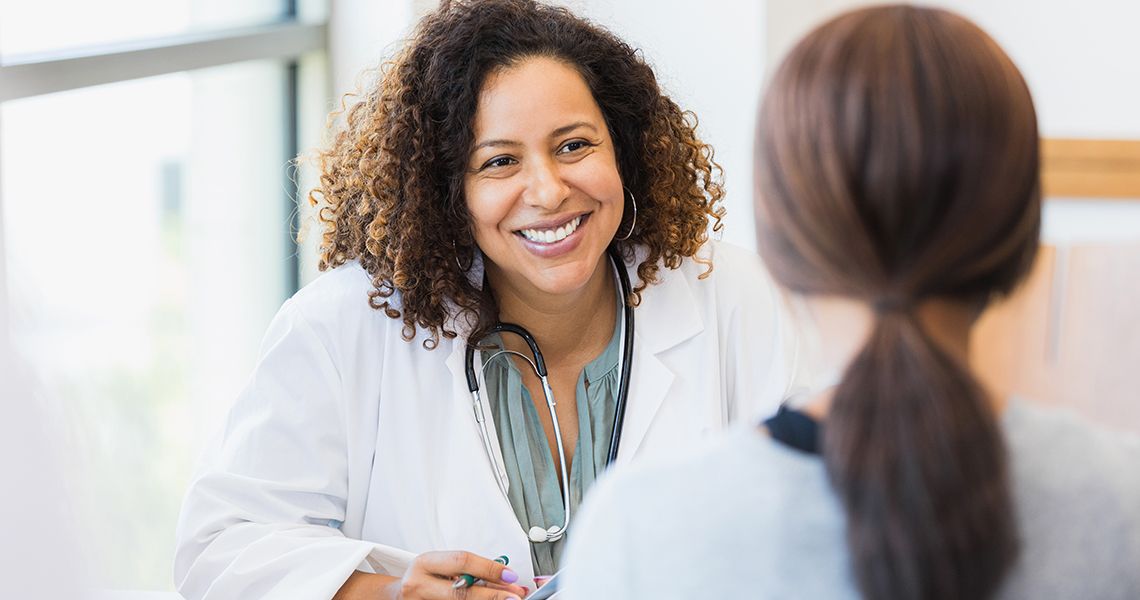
pixel 488 205
pixel 603 173
pixel 603 184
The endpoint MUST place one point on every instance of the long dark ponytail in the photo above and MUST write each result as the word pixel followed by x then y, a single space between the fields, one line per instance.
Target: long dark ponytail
pixel 898 164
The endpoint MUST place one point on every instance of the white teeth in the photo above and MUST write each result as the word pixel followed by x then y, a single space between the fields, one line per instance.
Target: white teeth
pixel 549 236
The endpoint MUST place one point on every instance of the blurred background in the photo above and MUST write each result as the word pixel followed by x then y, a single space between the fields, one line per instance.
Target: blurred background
pixel 149 207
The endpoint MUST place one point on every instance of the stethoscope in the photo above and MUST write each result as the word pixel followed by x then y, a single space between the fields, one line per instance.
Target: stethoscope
pixel 553 533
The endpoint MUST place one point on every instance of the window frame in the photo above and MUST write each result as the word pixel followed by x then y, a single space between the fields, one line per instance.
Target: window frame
pixel 286 39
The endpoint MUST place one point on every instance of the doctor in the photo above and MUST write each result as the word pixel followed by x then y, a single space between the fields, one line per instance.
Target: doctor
pixel 514 165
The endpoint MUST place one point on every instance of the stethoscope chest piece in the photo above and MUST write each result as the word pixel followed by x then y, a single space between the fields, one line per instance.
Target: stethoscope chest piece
pixel 539 535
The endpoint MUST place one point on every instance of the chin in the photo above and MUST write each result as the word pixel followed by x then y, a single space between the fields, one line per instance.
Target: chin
pixel 565 278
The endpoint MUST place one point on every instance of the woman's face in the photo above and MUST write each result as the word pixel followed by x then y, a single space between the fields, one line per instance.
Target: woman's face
pixel 542 185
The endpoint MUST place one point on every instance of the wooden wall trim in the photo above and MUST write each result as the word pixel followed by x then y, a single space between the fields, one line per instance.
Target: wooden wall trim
pixel 1087 168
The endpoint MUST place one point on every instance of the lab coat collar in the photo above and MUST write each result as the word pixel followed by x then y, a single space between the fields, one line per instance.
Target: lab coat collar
pixel 668 313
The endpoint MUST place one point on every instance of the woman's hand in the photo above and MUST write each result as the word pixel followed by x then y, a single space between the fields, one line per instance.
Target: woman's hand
pixel 431 577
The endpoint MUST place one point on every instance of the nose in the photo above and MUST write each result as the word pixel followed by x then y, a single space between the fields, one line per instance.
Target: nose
pixel 546 188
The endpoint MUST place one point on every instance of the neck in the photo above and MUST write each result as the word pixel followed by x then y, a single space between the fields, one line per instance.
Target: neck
pixel 569 327
pixel 842 327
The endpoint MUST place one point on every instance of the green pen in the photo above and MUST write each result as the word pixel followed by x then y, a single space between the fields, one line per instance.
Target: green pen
pixel 466 580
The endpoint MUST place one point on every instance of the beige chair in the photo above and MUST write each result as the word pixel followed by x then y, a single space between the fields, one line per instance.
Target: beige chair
pixel 1071 335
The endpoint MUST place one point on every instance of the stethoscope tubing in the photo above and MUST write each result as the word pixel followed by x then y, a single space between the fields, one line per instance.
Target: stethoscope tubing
pixel 627 359
pixel 539 364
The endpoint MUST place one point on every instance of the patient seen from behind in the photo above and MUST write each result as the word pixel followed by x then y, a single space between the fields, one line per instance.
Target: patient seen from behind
pixel 898 195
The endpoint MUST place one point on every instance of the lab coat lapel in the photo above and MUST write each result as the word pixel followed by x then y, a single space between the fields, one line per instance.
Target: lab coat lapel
pixel 496 530
pixel 667 316
pixel 649 383
pixel 456 363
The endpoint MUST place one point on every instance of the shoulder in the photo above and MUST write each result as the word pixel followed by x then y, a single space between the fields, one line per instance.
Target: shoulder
pixel 737 282
pixel 738 496
pixel 335 307
pixel 1050 441
pixel 1077 491
pixel 734 258
pixel 741 279
pixel 655 476
pixel 648 508
pixel 738 306
pixel 747 475
pixel 341 288
pixel 735 270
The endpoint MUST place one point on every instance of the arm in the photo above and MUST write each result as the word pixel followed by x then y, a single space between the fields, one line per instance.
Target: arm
pixel 431 576
pixel 368 586
pixel 260 517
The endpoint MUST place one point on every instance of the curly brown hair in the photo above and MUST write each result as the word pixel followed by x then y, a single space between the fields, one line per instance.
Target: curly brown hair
pixel 391 184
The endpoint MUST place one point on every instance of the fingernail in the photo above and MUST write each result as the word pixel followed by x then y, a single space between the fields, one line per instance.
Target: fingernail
pixel 509 576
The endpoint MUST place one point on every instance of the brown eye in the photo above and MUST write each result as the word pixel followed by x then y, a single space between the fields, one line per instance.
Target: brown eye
pixel 498 161
pixel 573 146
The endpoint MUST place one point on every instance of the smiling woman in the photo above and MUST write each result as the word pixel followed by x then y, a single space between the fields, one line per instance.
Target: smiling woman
pixel 544 192
pixel 507 151
pixel 392 195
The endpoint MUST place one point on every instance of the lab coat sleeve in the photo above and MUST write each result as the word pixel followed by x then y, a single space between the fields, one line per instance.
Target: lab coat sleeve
pixel 261 518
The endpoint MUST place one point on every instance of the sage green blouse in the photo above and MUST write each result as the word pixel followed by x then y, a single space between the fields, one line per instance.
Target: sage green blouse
pixel 533 473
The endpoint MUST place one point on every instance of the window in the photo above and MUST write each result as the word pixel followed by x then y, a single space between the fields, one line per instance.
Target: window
pixel 51 25
pixel 147 230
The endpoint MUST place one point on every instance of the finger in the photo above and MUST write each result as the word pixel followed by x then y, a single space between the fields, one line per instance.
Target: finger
pixel 455 563
pixel 518 590
pixel 429 587
pixel 481 592
pixel 439 588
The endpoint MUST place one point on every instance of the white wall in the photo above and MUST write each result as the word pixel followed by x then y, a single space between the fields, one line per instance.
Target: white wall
pixel 1082 63
pixel 35 536
pixel 1080 58
pixel 37 544
pixel 710 61
pixel 361 33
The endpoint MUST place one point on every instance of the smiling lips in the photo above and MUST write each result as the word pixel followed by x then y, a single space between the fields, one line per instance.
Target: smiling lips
pixel 554 234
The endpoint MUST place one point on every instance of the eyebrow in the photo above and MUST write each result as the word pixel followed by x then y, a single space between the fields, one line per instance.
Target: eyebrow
pixel 557 132
pixel 494 143
pixel 571 127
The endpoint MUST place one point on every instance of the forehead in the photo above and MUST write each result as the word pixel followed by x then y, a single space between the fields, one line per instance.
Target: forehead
pixel 533 97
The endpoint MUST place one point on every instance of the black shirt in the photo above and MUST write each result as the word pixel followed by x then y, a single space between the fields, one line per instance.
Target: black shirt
pixel 795 429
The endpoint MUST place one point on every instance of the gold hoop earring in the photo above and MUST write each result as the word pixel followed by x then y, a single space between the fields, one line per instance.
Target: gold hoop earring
pixel 633 223
pixel 462 269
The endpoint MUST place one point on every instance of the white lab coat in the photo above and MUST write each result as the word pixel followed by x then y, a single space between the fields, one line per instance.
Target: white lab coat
pixel 349 440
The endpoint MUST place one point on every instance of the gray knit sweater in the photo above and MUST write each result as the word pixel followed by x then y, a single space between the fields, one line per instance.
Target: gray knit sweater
pixel 747 517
